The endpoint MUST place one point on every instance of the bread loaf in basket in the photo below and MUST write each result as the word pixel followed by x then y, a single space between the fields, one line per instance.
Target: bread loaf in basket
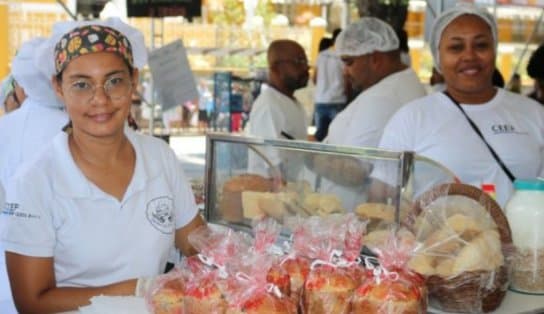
pixel 466 248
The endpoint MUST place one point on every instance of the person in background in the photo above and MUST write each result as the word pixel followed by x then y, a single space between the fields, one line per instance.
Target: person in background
pixel 330 88
pixel 98 212
pixel 369 49
pixel 515 84
pixel 205 96
pixel 28 130
pixel 464 49
pixel 497 79
pixel 12 95
pixel 535 69
pixel 25 132
pixel 5 90
pixel 403 47
pixel 436 81
pixel 276 113
pixel 325 43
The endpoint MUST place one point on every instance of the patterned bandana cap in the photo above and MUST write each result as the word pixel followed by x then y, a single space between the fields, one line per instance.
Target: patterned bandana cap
pixel 90 39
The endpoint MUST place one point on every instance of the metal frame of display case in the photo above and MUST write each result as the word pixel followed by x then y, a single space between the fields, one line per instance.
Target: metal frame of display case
pixel 405 160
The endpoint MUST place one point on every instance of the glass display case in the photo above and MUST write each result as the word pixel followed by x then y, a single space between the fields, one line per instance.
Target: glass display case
pixel 250 177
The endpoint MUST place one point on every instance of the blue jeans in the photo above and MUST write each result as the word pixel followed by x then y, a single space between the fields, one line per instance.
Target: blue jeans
pixel 324 113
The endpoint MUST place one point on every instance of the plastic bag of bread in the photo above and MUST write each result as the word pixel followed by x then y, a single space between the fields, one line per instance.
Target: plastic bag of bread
pixel 257 284
pixel 171 291
pixel 266 233
pixel 250 291
pixel 167 294
pixel 333 244
pixel 205 293
pixel 204 288
pixel 217 245
pixel 465 248
pixel 393 287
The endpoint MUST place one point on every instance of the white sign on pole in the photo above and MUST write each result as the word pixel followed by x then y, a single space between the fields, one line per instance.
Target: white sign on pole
pixel 172 76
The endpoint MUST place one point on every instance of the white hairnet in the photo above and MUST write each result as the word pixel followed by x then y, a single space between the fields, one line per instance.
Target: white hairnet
pixel 448 16
pixel 365 36
pixel 45 57
pixel 37 86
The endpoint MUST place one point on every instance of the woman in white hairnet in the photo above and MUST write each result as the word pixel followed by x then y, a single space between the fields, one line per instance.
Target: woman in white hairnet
pixel 25 132
pixel 445 126
pixel 100 210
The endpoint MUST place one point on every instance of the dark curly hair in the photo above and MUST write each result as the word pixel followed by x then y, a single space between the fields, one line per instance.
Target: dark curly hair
pixel 535 67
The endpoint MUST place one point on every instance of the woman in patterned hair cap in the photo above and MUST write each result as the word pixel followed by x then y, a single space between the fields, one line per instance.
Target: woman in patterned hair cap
pixel 101 209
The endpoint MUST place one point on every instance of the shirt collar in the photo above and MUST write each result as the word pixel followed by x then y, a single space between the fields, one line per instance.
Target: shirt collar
pixel 71 181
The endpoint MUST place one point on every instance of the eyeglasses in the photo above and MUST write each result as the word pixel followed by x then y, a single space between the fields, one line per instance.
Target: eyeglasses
pixel 116 88
pixel 296 61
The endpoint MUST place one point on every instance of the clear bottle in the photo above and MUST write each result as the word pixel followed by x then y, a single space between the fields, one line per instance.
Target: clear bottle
pixel 525 214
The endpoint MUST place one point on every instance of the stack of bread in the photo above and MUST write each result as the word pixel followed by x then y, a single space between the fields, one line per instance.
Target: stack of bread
pixel 381 216
pixel 292 199
pixel 230 201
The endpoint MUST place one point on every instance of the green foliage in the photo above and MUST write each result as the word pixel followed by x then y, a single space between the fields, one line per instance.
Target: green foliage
pixel 232 14
pixel 265 8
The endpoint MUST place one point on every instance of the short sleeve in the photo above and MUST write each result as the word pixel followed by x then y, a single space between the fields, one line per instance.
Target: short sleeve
pixel 28 227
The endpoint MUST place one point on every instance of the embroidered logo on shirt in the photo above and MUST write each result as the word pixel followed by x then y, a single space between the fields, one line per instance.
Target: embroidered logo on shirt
pixel 505 129
pixel 11 209
pixel 159 214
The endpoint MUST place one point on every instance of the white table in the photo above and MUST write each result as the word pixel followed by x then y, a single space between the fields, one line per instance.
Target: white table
pixel 515 303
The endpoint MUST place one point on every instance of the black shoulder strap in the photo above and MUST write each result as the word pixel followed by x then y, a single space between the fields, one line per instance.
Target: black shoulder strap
pixel 477 130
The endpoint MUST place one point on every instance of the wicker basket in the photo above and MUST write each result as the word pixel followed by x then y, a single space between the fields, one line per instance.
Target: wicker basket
pixel 475 291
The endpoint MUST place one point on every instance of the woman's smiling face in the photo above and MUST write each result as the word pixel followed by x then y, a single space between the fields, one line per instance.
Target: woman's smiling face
pixel 467 57
pixel 96 89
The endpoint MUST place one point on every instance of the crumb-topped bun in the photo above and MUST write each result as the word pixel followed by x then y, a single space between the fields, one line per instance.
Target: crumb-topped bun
pixel 389 297
pixel 230 203
pixel 328 290
pixel 204 297
pixel 298 269
pixel 279 277
pixel 168 298
pixel 266 303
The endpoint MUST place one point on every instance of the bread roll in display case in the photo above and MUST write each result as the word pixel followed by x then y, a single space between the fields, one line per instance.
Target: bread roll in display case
pixel 249 177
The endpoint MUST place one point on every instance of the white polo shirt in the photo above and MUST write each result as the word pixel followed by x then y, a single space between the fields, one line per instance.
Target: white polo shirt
pixel 52 210
pixel 272 114
pixel 435 128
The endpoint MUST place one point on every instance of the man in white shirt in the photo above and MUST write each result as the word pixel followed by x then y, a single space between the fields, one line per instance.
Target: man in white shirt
pixel 276 113
pixel 370 51
pixel 330 89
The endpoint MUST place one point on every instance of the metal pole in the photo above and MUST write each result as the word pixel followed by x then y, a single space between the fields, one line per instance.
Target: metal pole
pixel 405 171
pixel 518 64
pixel 152 106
